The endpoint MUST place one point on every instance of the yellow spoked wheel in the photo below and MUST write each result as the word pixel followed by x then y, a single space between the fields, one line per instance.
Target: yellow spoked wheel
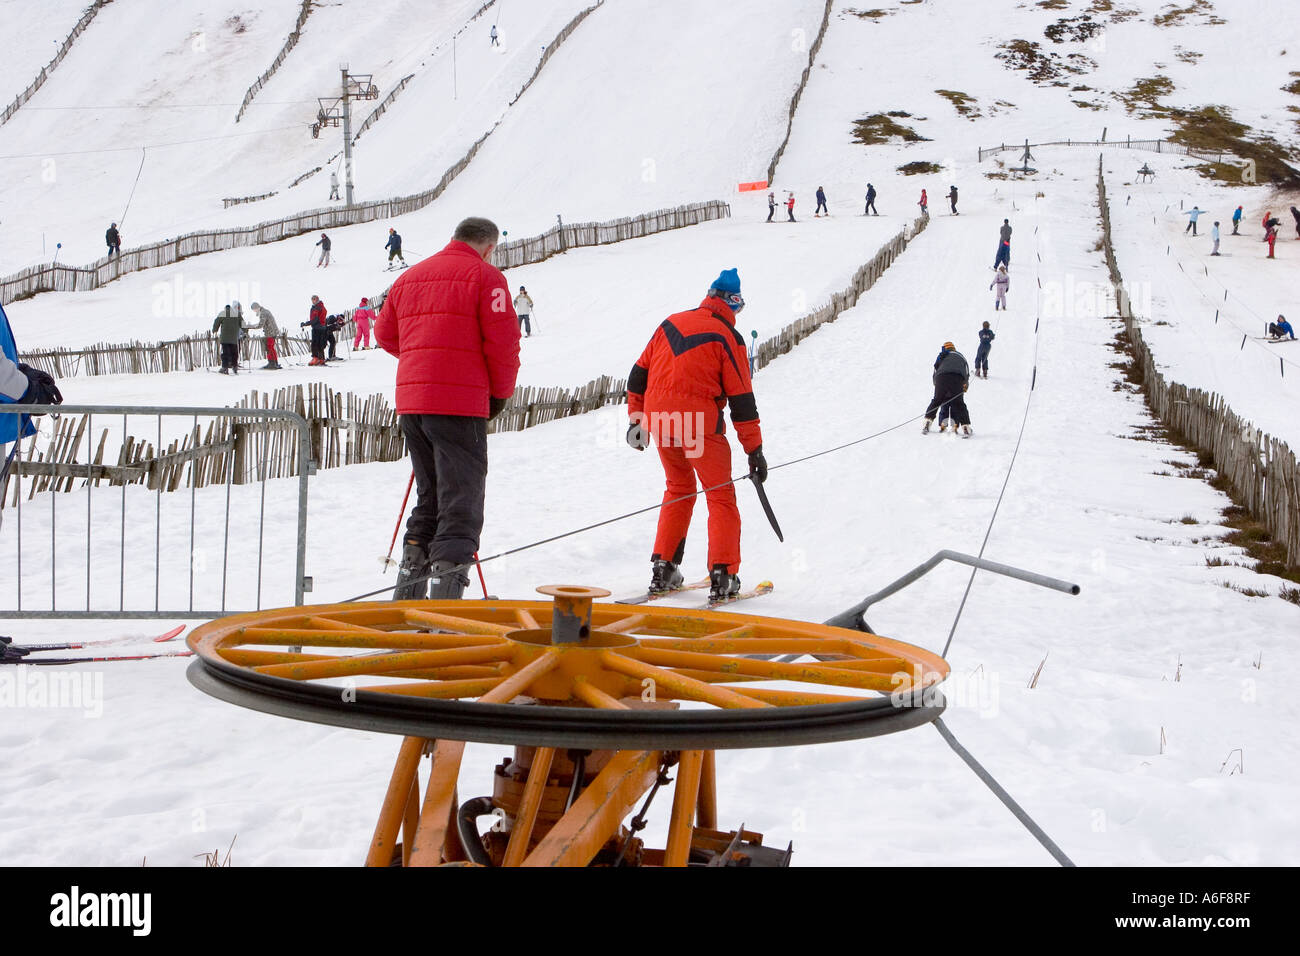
pixel 568 673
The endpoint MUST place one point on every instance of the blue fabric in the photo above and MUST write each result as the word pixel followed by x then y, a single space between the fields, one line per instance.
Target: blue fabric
pixel 9 423
pixel 986 338
pixel 394 242
pixel 728 281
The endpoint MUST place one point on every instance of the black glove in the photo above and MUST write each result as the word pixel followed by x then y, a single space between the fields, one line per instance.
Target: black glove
pixel 758 465
pixel 41 389
pixel 496 406
pixel 638 437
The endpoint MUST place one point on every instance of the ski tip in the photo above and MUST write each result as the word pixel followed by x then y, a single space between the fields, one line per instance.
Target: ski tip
pixel 169 634
pixel 765 585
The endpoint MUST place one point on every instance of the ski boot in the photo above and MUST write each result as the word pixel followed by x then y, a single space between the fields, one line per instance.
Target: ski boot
pixel 943 425
pixel 411 575
pixel 965 431
pixel 445 584
pixel 925 429
pixel 664 577
pixel 722 584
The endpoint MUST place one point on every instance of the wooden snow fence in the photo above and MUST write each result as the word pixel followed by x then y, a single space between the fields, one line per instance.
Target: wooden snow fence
pixel 863 279
pixel 290 42
pixel 345 429
pixel 1261 470
pixel 44 75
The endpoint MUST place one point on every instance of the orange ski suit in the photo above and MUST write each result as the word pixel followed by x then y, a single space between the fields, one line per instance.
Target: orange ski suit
pixel 695 365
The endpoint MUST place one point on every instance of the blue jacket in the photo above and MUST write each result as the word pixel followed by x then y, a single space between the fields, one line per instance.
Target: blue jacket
pixel 986 339
pixel 394 242
pixel 1285 326
pixel 9 423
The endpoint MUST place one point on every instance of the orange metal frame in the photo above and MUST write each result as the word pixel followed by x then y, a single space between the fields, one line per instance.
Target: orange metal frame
pixel 494 652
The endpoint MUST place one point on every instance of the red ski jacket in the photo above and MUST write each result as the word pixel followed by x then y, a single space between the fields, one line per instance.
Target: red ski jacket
pixel 696 363
pixel 450 322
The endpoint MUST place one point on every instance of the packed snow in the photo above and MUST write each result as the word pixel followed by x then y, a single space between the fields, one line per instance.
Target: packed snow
pixel 1104 751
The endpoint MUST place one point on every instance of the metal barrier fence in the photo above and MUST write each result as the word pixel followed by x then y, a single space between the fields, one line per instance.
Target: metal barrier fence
pixel 130 528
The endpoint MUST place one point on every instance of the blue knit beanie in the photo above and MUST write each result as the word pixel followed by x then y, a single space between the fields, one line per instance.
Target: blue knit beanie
pixel 728 281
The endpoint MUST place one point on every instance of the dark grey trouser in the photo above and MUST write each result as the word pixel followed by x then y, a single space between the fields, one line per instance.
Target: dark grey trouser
pixel 229 354
pixel 948 400
pixel 449 457
pixel 982 357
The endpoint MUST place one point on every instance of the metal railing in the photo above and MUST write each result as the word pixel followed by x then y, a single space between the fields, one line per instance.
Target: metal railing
pixel 126 517
pixel 1128 142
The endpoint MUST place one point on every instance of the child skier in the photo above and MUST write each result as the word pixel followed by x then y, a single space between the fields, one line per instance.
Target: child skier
pixel 982 353
pixel 363 316
pixel 952 198
pixel 821 202
pixel 771 205
pixel 1280 329
pixel 1003 283
pixel 789 205
pixel 324 243
pixel 951 378
pixel 925 205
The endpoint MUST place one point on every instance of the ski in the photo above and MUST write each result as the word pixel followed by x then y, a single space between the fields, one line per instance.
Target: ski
pixel 763 587
pixel 11 652
pixel 96 660
pixel 645 597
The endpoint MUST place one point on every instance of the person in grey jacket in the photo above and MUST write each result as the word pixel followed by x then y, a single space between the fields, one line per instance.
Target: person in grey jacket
pixel 266 322
pixel 228 325
pixel 951 379
pixel 1004 234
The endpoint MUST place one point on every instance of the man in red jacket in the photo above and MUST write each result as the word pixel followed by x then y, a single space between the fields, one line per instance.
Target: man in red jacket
pixel 694 365
pixel 450 322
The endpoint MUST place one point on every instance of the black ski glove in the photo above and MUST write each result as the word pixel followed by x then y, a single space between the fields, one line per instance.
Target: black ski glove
pixel 758 465
pixel 41 389
pixel 638 437
pixel 496 406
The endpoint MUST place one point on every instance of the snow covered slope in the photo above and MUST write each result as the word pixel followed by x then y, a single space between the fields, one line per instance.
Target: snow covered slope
pixel 32 41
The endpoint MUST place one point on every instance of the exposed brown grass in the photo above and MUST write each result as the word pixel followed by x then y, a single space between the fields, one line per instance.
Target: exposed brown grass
pixel 881 128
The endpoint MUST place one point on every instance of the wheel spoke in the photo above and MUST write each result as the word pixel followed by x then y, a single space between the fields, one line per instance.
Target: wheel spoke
pixel 774 670
pixel 377 639
pixel 678 684
pixel 384 663
pixel 518 682
pixel 451 622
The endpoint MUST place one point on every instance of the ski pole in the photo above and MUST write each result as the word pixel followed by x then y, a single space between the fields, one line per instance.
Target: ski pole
pixel 767 507
pixel 388 559
pixel 480 575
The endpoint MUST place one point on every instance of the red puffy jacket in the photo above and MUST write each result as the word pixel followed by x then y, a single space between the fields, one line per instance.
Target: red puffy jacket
pixel 450 322
pixel 695 365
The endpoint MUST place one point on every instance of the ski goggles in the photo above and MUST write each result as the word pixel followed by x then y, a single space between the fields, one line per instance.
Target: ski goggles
pixel 733 300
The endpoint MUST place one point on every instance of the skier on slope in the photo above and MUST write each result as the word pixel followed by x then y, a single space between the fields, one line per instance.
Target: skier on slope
pixel 1236 220
pixel 1280 329
pixel 493 36
pixel 20 385
pixel 951 378
pixel 789 205
pixel 450 323
pixel 925 205
pixel 394 247
pixel 1214 236
pixel 324 243
pixel 114 240
pixel 871 201
pixel 1295 213
pixel 952 198
pixel 363 316
pixel 694 364
pixel 771 205
pixel 332 325
pixel 1003 283
pixel 316 320
pixel 1003 256
pixel 982 353
pixel 821 203
pixel 1195 214
pixel 334 185
pixel 266 322
pixel 524 309
pixel 229 323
